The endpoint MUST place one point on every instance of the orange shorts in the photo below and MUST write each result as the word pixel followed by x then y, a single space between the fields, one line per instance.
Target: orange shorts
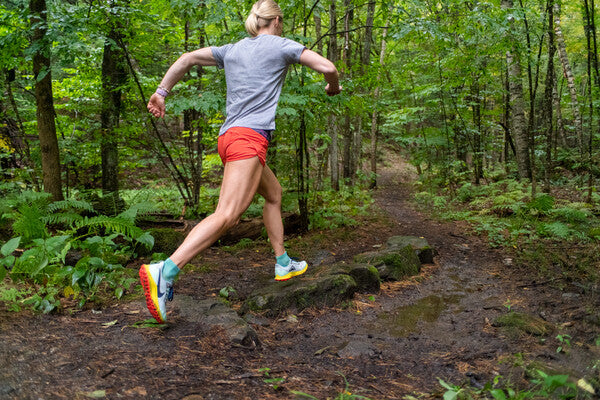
pixel 240 143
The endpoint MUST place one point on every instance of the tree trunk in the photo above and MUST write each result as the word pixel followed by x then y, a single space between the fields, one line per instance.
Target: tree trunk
pixel 348 152
pixel 193 125
pixel 518 121
pixel 477 154
pixel 366 54
pixel 568 72
pixel 593 76
pixel 317 19
pixel 114 76
pixel 51 170
pixel 332 54
pixel 547 112
pixel 374 114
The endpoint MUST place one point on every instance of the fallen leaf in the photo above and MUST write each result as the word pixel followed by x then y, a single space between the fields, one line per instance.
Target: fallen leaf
pixel 111 323
pixel 96 394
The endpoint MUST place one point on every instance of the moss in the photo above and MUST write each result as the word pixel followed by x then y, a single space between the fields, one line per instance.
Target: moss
pixel 166 240
pixel 325 291
pixel 518 323
pixel 366 277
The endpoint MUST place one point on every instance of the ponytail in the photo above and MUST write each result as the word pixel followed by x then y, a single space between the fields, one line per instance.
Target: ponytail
pixel 263 11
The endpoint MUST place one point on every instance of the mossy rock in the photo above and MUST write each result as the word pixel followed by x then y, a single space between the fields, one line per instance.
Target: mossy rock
pixel 392 264
pixel 516 322
pixel 302 292
pixel 366 276
pixel 422 248
pixel 166 240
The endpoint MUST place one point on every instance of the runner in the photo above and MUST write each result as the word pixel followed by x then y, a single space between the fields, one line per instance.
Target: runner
pixel 255 69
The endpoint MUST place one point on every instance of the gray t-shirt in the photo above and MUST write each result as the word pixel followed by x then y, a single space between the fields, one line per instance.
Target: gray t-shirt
pixel 255 69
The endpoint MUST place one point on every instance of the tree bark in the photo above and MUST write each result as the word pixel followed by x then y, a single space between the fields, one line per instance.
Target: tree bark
pixel 366 54
pixel 568 73
pixel 517 123
pixel 374 115
pixel 51 169
pixel 547 113
pixel 114 76
pixel 332 53
pixel 348 152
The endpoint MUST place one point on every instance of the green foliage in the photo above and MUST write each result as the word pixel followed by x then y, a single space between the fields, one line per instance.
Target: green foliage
pixel 333 209
pixel 543 386
pixel 38 255
pixel 344 395
pixel 506 214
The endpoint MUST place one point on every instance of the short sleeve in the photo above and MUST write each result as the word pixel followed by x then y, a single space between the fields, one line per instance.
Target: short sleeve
pixel 219 54
pixel 292 50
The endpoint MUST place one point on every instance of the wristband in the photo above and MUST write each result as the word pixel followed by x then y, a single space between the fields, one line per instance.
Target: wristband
pixel 162 92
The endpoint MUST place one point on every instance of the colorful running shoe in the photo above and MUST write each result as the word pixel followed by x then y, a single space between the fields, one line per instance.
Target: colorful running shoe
pixel 294 268
pixel 157 290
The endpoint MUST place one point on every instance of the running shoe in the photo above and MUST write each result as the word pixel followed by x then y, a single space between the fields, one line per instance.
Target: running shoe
pixel 157 290
pixel 294 268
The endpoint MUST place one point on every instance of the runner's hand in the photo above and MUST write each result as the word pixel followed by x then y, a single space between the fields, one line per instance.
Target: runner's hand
pixel 156 105
pixel 331 91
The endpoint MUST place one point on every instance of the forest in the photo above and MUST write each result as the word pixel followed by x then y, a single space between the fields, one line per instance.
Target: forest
pixel 486 112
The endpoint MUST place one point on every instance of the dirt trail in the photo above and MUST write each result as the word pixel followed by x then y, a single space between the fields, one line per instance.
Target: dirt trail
pixel 389 345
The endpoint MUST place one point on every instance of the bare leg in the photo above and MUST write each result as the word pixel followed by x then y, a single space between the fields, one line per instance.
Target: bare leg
pixel 270 189
pixel 240 181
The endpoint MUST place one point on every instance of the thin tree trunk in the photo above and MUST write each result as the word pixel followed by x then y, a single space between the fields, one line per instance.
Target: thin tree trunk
pixel 568 72
pixel 366 54
pixel 477 155
pixel 347 72
pixel 51 169
pixel 317 19
pixel 547 112
pixel 374 114
pixel 114 76
pixel 560 125
pixel 593 76
pixel 518 121
pixel 332 53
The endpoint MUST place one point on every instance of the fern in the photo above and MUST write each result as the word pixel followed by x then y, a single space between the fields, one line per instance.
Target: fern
pixel 112 224
pixel 65 219
pixel 70 204
pixel 572 215
pixel 542 203
pixel 135 210
pixel 29 224
pixel 557 229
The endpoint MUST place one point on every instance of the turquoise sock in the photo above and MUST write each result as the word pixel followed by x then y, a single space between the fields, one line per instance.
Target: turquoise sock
pixel 170 270
pixel 283 260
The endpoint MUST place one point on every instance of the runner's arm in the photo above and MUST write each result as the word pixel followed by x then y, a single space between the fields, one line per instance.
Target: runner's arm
pixel 320 64
pixel 201 57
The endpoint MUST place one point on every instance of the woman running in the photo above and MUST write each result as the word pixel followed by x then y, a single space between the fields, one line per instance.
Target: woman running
pixel 255 69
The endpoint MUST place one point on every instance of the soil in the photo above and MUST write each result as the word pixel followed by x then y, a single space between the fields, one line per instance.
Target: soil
pixel 389 345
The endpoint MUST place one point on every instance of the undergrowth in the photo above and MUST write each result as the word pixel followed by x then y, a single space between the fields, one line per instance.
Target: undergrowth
pixel 552 232
pixel 65 250
pixel 542 386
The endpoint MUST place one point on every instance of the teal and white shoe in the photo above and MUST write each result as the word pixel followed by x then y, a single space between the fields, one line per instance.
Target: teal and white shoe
pixel 294 268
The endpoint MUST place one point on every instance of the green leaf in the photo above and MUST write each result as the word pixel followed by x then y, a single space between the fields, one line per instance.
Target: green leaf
pixel 78 274
pixel 146 239
pixel 10 246
pixel 498 394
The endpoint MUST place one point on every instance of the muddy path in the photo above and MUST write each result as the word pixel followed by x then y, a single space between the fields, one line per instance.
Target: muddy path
pixel 398 342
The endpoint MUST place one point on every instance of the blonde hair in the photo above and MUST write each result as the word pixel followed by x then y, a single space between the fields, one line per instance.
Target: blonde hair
pixel 261 15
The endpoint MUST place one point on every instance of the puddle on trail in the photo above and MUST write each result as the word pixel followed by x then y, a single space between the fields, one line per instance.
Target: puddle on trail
pixel 404 320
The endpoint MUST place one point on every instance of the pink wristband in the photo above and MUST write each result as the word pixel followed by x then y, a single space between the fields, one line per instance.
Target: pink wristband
pixel 162 92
